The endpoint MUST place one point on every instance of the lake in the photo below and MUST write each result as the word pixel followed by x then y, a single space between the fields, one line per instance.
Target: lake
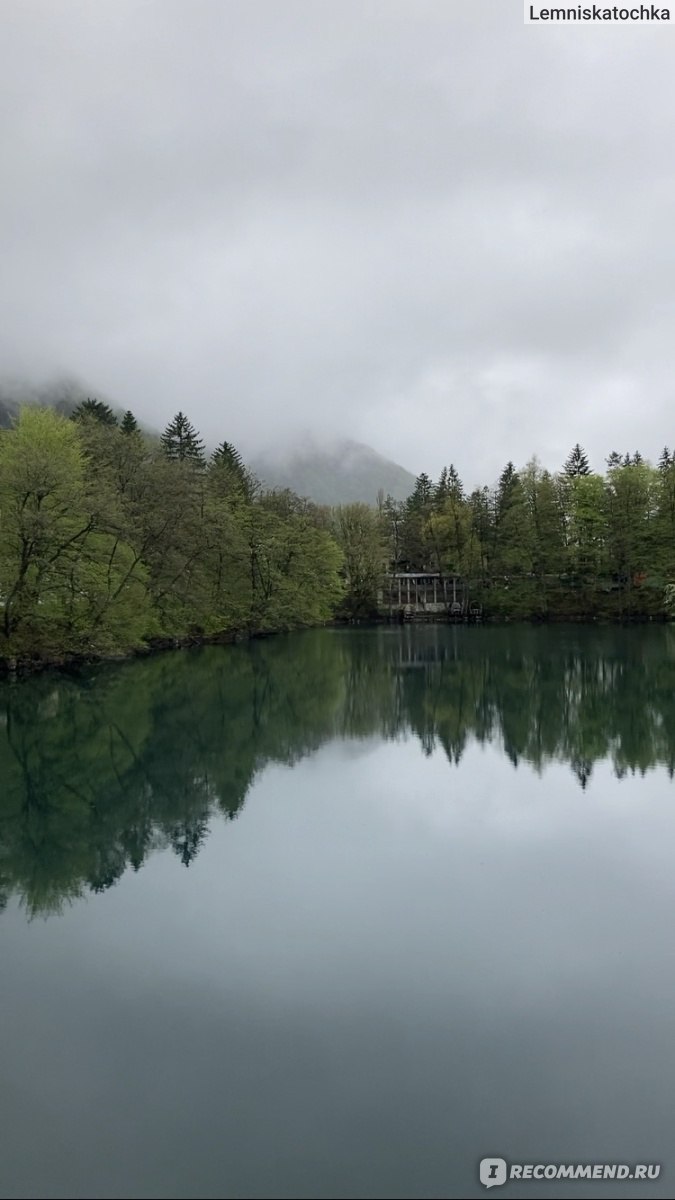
pixel 340 913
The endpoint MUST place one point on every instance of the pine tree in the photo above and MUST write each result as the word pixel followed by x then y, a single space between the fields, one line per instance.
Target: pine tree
pixel 613 460
pixel 576 463
pixel 507 481
pixel 129 423
pixel 665 461
pixel 455 485
pixel 418 510
pixel 482 528
pixel 514 530
pixel 228 466
pixel 422 494
pixel 441 488
pixel 181 442
pixel 226 455
pixel 94 410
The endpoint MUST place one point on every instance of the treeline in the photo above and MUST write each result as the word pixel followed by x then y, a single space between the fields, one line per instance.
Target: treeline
pixel 538 544
pixel 110 540
pixel 102 768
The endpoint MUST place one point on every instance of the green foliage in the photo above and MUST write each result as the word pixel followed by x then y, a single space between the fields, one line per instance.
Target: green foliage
pixel 577 463
pixel 537 545
pixel 181 442
pixel 360 534
pixel 109 542
pixel 129 424
pixel 68 581
pixel 229 475
pixel 94 410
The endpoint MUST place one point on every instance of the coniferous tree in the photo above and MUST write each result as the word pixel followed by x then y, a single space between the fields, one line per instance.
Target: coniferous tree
pixel 576 463
pixel 507 482
pixel 422 493
pixel 181 443
pixel 613 460
pixel 417 545
pixel 94 410
pixel 227 467
pixel 392 519
pixel 482 524
pixel 129 424
pixel 441 489
pixel 227 455
pixel 664 527
pixel 514 531
pixel 454 483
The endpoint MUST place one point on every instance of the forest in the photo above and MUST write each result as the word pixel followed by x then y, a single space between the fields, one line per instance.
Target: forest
pixel 114 541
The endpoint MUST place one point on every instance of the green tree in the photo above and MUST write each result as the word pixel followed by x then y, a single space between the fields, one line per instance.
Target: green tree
pixel 180 441
pixel 229 473
pixel 358 532
pixel 67 583
pixel 635 498
pixel 129 424
pixel 514 531
pixel 94 410
pixel 577 463
pixel 587 526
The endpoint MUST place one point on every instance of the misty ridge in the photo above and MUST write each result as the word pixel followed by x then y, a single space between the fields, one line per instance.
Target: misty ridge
pixel 328 470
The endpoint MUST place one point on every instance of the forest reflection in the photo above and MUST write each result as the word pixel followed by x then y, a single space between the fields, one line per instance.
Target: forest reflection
pixel 102 767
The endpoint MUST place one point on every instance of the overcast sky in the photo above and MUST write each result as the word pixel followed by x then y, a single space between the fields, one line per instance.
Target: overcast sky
pixel 419 223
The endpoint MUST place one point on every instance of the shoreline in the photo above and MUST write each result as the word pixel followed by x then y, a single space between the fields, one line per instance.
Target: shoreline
pixel 18 666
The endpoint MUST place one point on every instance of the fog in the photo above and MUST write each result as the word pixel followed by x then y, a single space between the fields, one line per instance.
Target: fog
pixel 423 225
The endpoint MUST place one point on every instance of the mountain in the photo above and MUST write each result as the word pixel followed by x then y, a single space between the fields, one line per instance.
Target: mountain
pixel 338 473
pixel 63 394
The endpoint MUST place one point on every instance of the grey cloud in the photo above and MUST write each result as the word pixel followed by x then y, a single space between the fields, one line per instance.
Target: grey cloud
pixel 423 225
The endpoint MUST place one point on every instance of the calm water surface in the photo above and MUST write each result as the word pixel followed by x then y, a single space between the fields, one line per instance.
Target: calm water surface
pixel 338 914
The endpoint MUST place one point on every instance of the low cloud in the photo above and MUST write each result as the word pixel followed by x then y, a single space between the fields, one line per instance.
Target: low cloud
pixel 426 226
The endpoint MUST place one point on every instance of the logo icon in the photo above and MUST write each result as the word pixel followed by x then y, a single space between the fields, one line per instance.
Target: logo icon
pixel 492 1172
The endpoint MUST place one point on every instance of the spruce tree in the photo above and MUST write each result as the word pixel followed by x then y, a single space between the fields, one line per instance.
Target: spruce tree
pixel 422 495
pixel 665 461
pixel 418 510
pixel 441 488
pixel 507 481
pixel 613 460
pixel 226 455
pixel 455 485
pixel 181 442
pixel 94 410
pixel 514 530
pixel 129 423
pixel 228 465
pixel 577 463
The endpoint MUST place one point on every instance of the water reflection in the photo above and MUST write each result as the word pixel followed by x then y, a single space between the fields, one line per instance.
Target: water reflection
pixel 101 768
